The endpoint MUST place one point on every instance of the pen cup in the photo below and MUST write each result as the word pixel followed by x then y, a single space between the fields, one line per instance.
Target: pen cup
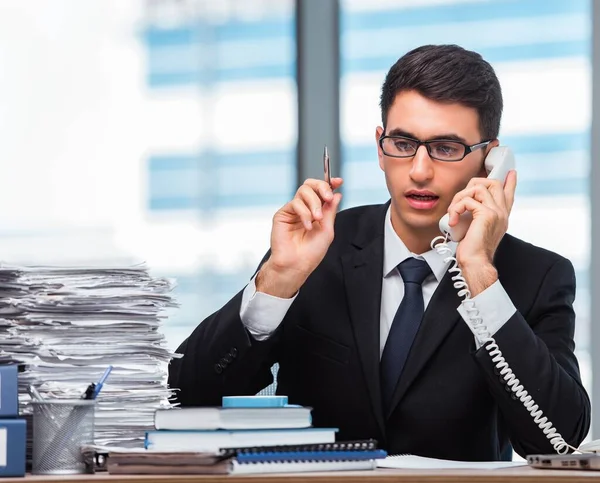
pixel 60 428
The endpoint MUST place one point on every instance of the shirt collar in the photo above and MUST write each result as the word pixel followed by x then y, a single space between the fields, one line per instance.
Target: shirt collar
pixel 395 252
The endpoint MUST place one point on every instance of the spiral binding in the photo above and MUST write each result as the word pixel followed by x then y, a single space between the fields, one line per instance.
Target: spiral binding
pixel 440 244
pixel 354 445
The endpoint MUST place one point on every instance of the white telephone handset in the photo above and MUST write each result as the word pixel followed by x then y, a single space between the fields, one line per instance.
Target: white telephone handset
pixel 499 161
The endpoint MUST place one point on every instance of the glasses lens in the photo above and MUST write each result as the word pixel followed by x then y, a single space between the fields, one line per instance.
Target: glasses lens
pixel 446 150
pixel 400 147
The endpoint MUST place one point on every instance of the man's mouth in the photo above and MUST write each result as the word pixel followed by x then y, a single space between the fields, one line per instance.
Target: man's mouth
pixel 422 200
pixel 423 197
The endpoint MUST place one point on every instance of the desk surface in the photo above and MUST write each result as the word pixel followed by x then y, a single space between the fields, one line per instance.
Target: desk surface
pixel 523 474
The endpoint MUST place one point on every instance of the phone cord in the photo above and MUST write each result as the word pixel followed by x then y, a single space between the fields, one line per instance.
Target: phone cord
pixel 440 244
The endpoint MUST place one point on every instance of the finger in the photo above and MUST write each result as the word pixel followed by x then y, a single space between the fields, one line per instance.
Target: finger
pixel 330 210
pixel 312 200
pixel 494 186
pixel 466 204
pixel 509 189
pixel 303 212
pixel 336 183
pixel 479 193
pixel 320 187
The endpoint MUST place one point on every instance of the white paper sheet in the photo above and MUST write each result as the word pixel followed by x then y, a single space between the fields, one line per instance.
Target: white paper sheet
pixel 421 462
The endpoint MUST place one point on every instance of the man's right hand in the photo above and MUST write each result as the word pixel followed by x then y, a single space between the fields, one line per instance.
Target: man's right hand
pixel 301 234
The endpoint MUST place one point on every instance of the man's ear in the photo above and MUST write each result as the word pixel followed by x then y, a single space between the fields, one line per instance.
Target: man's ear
pixel 495 143
pixel 378 133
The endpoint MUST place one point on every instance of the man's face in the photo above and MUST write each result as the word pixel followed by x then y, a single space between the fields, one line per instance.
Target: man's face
pixel 422 188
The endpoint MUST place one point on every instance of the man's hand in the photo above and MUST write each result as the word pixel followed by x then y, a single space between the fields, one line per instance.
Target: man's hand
pixel 490 204
pixel 300 237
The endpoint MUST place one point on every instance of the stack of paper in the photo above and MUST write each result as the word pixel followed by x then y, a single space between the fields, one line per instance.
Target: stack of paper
pixel 66 325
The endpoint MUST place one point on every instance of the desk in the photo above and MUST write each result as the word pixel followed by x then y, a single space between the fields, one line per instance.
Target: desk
pixel 522 474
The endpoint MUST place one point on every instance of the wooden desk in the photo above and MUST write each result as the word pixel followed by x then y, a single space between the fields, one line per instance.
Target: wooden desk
pixel 522 474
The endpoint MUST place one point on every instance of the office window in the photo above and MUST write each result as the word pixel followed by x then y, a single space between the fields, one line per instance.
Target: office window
pixel 541 53
pixel 145 130
pixel 220 93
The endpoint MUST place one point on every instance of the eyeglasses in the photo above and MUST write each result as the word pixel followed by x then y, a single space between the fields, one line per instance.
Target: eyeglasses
pixel 440 149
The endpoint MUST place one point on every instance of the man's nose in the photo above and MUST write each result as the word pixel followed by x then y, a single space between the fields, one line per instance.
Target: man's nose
pixel 422 166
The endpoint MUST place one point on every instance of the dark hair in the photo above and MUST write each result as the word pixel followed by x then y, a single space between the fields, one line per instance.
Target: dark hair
pixel 447 73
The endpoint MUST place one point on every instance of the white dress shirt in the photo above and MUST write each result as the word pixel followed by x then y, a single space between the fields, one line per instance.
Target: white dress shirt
pixel 261 313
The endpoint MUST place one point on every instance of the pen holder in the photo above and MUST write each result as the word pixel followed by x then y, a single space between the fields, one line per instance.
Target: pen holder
pixel 60 428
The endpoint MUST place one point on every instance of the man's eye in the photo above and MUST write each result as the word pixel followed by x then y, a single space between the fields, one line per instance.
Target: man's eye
pixel 446 149
pixel 403 146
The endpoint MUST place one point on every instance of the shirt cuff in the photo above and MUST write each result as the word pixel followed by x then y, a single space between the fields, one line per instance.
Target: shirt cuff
pixel 495 309
pixel 262 313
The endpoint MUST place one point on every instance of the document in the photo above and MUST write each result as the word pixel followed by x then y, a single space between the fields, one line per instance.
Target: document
pixel 423 463
pixel 67 324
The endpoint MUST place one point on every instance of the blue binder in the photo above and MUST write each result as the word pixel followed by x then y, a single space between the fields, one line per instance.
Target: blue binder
pixel 9 391
pixel 12 447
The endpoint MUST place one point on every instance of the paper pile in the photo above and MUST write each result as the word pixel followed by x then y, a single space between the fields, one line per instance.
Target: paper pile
pixel 66 325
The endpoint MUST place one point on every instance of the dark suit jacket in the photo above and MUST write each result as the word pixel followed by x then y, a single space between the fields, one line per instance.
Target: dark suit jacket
pixel 450 401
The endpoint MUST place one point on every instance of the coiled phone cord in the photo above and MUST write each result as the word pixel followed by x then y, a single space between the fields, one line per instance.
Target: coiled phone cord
pixel 440 244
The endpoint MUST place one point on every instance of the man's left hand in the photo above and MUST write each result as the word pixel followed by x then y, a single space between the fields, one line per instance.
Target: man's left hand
pixel 490 202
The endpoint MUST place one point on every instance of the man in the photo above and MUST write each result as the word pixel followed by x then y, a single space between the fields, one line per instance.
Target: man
pixel 361 314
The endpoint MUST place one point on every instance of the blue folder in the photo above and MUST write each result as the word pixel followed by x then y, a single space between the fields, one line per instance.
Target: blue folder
pixel 12 447
pixel 9 391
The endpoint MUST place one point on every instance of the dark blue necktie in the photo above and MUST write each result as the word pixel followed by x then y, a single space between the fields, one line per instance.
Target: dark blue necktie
pixel 404 327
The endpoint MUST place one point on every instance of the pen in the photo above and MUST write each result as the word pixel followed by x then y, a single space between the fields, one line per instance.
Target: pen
pixel 98 386
pixel 326 167
pixel 92 391
pixel 34 393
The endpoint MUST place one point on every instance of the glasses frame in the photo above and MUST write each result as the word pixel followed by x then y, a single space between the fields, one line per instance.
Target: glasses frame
pixel 468 149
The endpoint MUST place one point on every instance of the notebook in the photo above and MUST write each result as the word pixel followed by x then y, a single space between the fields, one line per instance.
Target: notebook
pixel 339 451
pixel 352 445
pixel 300 466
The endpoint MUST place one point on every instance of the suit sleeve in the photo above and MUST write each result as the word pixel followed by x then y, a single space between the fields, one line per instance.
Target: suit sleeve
pixel 540 352
pixel 221 358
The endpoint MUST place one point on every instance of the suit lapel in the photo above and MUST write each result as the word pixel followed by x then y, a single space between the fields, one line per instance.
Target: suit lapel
pixel 363 275
pixel 439 319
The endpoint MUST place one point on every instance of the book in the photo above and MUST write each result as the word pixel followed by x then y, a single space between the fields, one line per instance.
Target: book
pixel 136 461
pixel 205 418
pixel 213 441
pixel 9 391
pixel 12 447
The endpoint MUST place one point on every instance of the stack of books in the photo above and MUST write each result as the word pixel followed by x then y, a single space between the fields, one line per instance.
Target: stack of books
pixel 245 435
pixel 12 429
pixel 241 422
pixel 351 455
